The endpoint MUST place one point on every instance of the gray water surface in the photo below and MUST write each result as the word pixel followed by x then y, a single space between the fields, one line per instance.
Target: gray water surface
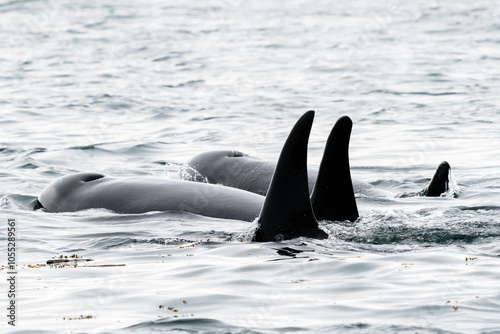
pixel 138 88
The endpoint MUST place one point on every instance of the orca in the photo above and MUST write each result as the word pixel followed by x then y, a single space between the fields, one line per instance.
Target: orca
pixel 239 170
pixel 134 195
pixel 331 187
pixel 439 184
pixel 285 212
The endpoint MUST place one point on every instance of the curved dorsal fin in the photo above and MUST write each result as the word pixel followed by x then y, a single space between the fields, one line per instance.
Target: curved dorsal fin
pixel 333 194
pixel 440 181
pixel 287 212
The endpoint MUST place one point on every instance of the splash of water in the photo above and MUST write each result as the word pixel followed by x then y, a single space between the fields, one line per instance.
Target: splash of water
pixel 453 187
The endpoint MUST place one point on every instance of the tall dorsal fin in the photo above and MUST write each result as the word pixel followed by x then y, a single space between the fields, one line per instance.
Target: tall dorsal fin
pixel 287 212
pixel 440 181
pixel 333 194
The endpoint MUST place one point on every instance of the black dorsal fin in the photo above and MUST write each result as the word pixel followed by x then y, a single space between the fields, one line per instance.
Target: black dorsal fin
pixel 440 181
pixel 333 194
pixel 287 212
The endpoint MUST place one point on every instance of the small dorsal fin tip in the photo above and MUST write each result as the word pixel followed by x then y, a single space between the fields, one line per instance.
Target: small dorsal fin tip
pixel 440 181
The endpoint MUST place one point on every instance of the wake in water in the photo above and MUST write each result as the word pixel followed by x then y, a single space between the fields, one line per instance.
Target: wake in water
pixel 398 230
pixel 286 212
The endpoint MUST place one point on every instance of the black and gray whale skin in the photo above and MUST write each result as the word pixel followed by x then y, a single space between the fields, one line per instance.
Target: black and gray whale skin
pixel 439 183
pixel 285 213
pixel 290 174
pixel 332 197
pixel 331 190
pixel 239 170
pixel 136 195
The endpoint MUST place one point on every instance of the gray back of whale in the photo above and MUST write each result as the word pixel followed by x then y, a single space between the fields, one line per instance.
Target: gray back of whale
pixel 331 195
pixel 235 169
pixel 285 212
pixel 240 170
pixel 143 194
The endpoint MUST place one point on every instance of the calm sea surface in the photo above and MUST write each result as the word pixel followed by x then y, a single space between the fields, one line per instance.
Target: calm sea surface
pixel 137 88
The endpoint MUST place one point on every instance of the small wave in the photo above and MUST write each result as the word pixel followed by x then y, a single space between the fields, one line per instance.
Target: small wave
pixel 200 325
pixel 190 83
pixel 29 166
pixel 119 106
pixel 165 58
pixel 108 241
pixel 386 91
pixel 84 148
pixel 166 241
pixel 8 150
pixel 479 208
pixel 205 325
pixel 421 229
pixel 17 201
pixel 362 328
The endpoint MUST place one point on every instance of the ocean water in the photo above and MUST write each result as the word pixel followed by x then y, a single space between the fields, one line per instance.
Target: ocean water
pixel 138 88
